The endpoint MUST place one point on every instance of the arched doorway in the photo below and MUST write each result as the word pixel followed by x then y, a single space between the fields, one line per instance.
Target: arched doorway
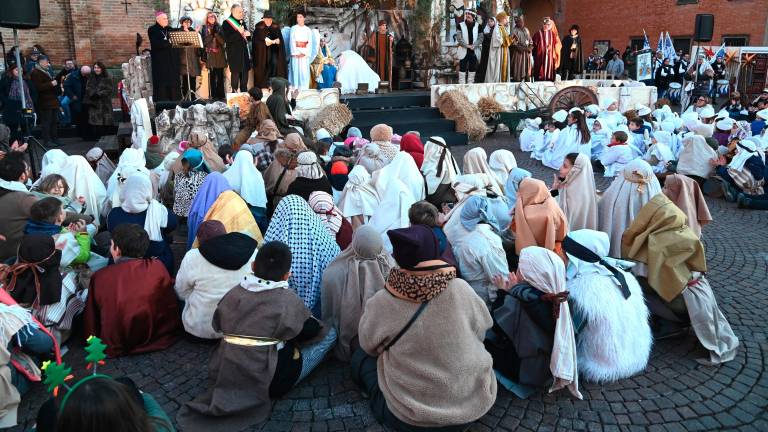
pixel 535 10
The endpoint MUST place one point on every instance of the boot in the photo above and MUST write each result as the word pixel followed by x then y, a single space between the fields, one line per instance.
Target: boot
pixel 471 78
pixel 462 77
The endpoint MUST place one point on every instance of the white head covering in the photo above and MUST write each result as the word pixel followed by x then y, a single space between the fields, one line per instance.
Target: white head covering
pixel 545 271
pixel 607 102
pixel 358 196
pixel 667 126
pixel 136 197
pixel 662 150
pixel 475 163
pixel 575 109
pixel 690 120
pixel 596 241
pixel 533 124
pixel 593 109
pixel 502 162
pixel 83 182
pixel 560 116
pixel 395 199
pixel 577 197
pixel 745 149
pixel 725 124
pixel 722 114
pixel 642 110
pixel 164 171
pixel 308 167
pixel 707 112
pixel 371 158
pixel 662 113
pixel 104 165
pixel 404 168
pixel 624 198
pixel 465 186
pixel 438 167
pixel 695 156
pixel 322 134
pixel 763 114
pixel 52 159
pixel 322 204
pixel 131 161
pixel 246 180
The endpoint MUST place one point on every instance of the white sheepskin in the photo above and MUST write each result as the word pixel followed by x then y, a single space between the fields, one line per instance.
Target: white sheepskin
pixel 616 340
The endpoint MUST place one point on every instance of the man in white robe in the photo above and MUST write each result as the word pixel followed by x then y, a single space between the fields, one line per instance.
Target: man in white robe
pixel 302 41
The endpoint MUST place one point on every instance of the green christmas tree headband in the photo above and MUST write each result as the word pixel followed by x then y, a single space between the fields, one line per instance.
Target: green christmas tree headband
pixel 57 375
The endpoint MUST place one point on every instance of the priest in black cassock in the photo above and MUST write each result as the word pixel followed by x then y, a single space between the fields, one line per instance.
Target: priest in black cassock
pixel 165 65
pixel 268 51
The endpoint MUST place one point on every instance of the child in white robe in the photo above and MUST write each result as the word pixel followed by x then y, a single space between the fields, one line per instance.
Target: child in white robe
pixel 549 139
pixel 531 137
pixel 617 155
pixel 659 154
pixel 600 137
pixel 573 139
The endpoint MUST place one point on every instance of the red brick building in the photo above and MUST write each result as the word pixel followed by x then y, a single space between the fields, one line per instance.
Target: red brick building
pixel 89 30
pixel 621 23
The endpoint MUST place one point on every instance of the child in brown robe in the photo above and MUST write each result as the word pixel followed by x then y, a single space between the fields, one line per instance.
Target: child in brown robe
pixel 265 325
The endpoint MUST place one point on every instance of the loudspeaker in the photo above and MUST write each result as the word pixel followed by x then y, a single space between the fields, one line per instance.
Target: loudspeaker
pixel 21 14
pixel 705 25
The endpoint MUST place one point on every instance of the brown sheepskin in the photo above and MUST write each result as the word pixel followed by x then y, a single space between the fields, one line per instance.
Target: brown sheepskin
pixel 332 118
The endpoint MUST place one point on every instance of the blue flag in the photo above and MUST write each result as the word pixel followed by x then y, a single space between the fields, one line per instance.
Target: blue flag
pixel 646 42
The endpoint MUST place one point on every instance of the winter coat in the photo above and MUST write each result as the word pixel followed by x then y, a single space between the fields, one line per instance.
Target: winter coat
pixel 98 96
pixel 214 47
pixel 47 93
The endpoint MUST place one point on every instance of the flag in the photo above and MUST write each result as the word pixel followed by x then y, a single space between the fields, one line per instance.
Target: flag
pixel 671 54
pixel 646 42
pixel 721 51
pixel 660 45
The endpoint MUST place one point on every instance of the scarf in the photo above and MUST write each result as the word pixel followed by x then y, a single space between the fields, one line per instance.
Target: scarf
pixel 255 284
pixel 475 211
pixel 439 166
pixel 475 163
pixel 686 194
pixel 40 227
pixel 419 286
pixel 578 198
pixel 246 180
pixel 15 94
pixel 43 70
pixel 13 186
pixel 744 150
pixel 513 184
pixel 546 272
pixel 214 185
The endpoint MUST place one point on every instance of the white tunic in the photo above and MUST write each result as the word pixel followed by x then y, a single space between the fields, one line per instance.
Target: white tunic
pixel 301 41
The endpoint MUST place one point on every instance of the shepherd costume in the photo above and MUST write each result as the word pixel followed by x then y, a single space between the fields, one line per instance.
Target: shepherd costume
pixel 132 307
pixel 263 323
pixel 521 52
pixel 269 60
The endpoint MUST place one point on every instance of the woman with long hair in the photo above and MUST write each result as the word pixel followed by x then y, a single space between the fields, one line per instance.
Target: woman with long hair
pixel 98 96
pixel 574 138
pixel 214 56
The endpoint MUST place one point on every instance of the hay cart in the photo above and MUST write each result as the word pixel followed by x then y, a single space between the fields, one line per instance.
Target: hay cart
pixel 565 99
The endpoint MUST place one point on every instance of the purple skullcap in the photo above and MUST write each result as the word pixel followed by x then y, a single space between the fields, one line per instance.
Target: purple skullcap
pixel 210 229
pixel 413 245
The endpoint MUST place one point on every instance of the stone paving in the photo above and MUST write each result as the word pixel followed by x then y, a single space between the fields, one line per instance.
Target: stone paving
pixel 674 393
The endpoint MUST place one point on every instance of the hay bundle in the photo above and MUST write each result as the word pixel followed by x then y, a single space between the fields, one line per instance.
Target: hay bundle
pixel 488 107
pixel 332 118
pixel 455 106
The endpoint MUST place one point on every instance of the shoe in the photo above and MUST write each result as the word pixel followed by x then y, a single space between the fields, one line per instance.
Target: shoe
pixel 741 200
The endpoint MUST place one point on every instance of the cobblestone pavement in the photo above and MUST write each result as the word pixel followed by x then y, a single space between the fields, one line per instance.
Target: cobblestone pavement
pixel 674 393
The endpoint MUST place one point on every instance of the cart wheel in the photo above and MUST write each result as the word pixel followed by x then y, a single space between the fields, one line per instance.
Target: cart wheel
pixel 571 97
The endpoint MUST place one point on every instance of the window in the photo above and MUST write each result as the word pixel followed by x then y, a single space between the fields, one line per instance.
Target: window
pixel 686 2
pixel 602 46
pixel 636 43
pixel 682 43
pixel 736 41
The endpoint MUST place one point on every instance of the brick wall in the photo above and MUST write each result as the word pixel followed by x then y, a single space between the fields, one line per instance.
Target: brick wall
pixel 619 21
pixel 88 30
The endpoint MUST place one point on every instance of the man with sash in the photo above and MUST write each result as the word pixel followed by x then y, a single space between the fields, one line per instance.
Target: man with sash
pixel 236 38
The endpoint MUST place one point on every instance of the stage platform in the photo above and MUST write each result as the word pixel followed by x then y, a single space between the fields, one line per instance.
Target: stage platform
pixel 404 111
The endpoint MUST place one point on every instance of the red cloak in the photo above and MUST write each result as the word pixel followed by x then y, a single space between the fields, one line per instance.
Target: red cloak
pixel 133 308
pixel 546 55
